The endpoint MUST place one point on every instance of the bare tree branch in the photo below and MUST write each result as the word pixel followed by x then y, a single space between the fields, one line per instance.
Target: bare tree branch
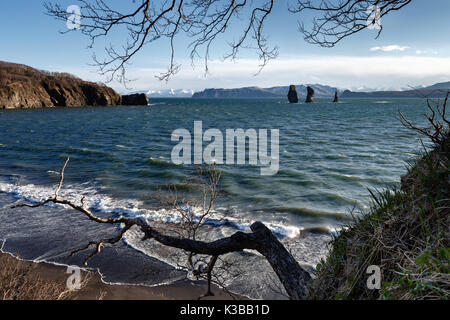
pixel 292 276
pixel 205 22
pixel 438 129
pixel 338 19
pixel 147 21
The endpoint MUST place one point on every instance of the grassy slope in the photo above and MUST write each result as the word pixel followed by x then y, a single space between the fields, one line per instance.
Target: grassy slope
pixel 405 233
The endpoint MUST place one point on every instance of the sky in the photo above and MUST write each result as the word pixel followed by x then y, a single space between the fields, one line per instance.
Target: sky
pixel 413 50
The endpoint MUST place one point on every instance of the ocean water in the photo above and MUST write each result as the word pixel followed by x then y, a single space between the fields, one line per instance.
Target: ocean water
pixel 330 154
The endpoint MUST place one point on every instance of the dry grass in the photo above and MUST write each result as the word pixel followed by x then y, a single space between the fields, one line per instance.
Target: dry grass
pixel 20 280
pixel 405 233
pixel 12 72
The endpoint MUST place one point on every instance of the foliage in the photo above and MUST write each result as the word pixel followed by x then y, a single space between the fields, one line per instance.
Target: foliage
pixel 405 233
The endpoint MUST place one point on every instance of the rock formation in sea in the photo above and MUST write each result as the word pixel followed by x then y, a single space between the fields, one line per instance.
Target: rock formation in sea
pixel 336 99
pixel 292 94
pixel 310 95
pixel 138 99
pixel 24 87
pixel 320 91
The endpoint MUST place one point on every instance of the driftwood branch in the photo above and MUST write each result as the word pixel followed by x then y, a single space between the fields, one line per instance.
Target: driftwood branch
pixel 293 277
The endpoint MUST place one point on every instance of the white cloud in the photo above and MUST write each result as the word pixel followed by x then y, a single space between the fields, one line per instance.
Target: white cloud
pixel 390 48
pixel 341 71
pixel 427 52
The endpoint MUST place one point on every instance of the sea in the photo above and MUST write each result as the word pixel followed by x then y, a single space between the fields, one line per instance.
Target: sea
pixel 330 156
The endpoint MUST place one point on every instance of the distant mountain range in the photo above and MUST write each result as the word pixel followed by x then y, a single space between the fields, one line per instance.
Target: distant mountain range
pixel 257 92
pixel 438 90
pixel 166 93
pixel 170 93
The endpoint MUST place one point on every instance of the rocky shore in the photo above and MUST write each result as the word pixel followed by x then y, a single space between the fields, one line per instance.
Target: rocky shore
pixel 22 86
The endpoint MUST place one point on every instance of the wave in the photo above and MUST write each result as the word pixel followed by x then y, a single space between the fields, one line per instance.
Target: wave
pixel 349 177
pixel 308 212
pixel 335 156
pixel 146 173
pixel 121 146
pixel 382 102
pixel 88 151
pixel 335 196
pixel 102 203
pixel 162 163
pixel 292 173
pixel 86 269
pixel 300 182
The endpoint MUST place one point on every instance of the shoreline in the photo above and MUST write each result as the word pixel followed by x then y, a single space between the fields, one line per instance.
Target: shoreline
pixel 95 288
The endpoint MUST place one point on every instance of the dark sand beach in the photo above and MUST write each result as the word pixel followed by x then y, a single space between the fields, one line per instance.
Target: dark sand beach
pixel 95 289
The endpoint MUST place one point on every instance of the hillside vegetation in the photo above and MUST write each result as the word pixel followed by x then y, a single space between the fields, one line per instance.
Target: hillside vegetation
pixel 24 87
pixel 406 232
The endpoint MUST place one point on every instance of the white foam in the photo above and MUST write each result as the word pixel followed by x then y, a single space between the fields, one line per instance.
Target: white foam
pixel 335 231
pixel 134 208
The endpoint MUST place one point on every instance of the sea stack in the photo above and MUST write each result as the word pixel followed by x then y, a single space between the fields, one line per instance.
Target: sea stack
pixel 138 99
pixel 310 95
pixel 292 95
pixel 336 99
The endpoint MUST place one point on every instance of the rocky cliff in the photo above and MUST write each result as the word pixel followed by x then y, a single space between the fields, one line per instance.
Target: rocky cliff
pixel 24 87
pixel 137 99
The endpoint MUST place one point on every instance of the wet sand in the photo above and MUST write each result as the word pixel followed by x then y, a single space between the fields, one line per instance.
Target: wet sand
pixel 95 289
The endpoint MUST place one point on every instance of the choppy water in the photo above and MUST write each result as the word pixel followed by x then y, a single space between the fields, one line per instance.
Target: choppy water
pixel 120 157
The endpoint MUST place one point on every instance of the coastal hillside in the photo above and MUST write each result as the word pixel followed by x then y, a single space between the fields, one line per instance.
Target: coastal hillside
pixel 405 234
pixel 438 90
pixel 321 91
pixel 22 86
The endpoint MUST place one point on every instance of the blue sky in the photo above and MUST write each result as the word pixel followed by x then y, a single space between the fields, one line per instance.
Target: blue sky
pixel 412 50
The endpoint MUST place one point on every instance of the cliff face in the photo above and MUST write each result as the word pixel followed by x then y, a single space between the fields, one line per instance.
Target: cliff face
pixel 24 87
pixel 137 99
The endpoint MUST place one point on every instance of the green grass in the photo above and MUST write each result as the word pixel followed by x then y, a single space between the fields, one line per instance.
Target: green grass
pixel 405 232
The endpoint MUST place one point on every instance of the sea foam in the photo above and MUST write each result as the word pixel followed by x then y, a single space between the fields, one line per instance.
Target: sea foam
pixel 103 203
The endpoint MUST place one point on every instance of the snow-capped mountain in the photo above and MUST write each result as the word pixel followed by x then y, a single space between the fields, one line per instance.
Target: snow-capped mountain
pixel 165 93
pixel 373 89
pixel 170 93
